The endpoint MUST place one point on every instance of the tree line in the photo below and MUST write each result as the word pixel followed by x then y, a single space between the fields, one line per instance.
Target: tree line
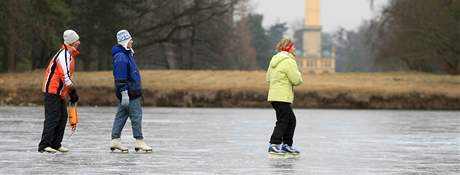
pixel 417 35
pixel 173 34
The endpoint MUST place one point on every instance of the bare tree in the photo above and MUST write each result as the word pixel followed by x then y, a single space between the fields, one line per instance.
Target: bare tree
pixel 174 27
pixel 424 35
pixel 12 16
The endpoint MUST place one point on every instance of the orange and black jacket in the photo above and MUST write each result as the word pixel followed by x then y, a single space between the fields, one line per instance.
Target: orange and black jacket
pixel 58 75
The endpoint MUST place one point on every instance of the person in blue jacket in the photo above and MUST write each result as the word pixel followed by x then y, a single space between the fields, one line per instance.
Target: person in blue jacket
pixel 129 91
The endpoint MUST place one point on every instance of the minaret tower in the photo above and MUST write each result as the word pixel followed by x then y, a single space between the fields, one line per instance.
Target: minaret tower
pixel 312 34
pixel 312 60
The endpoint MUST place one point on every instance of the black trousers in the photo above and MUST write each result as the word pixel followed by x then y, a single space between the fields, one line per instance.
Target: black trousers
pixel 55 122
pixel 285 124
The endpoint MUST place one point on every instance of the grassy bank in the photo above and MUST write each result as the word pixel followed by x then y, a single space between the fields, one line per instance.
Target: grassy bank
pixel 395 90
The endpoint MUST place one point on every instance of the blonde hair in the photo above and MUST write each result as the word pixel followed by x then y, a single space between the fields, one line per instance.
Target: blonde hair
pixel 283 44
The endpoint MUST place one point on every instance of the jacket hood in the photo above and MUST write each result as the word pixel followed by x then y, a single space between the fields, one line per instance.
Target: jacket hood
pixel 278 58
pixel 118 48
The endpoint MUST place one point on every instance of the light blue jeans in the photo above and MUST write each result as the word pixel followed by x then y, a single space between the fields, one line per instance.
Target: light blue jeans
pixel 134 112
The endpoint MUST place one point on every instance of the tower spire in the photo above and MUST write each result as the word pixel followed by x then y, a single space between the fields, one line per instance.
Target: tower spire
pixel 312 15
pixel 312 32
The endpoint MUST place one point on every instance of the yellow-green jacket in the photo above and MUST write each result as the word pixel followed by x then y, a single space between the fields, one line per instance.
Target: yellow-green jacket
pixel 283 75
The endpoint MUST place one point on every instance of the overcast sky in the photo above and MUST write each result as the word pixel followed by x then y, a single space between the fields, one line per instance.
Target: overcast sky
pixel 334 13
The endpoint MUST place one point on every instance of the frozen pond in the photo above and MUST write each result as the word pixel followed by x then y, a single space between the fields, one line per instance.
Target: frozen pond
pixel 235 141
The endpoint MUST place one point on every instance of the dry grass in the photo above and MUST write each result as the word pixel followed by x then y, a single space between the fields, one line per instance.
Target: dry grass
pixel 356 83
pixel 385 83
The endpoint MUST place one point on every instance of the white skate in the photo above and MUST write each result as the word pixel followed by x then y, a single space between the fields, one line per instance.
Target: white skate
pixel 63 149
pixel 50 150
pixel 141 146
pixel 116 145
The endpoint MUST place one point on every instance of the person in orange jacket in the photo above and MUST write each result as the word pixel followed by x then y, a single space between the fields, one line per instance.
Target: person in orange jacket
pixel 57 84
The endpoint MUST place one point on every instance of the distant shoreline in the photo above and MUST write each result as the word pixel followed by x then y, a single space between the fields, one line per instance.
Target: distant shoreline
pixel 247 89
pixel 248 99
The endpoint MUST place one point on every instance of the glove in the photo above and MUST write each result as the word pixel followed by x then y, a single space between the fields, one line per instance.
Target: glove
pixel 73 95
pixel 124 98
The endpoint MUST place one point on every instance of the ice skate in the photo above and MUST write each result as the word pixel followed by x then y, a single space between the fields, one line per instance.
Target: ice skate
pixel 49 150
pixel 116 145
pixel 275 152
pixel 291 152
pixel 63 149
pixel 141 146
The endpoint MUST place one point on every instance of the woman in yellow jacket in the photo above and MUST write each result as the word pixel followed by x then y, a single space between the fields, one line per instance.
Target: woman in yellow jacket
pixel 283 75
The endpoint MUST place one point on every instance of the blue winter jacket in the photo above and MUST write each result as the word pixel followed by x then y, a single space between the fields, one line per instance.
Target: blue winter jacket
pixel 125 73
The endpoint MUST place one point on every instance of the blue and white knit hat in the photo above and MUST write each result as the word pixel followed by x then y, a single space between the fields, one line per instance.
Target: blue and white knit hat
pixel 123 38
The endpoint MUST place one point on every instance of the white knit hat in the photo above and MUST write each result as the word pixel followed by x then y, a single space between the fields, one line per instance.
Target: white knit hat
pixel 70 36
pixel 123 38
